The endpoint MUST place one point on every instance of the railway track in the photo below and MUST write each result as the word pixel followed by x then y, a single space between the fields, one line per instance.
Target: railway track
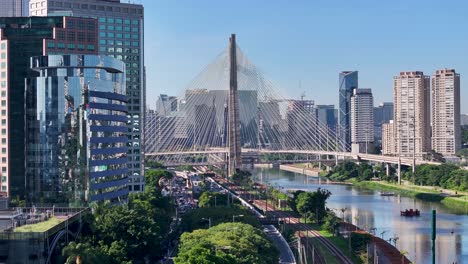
pixel 302 226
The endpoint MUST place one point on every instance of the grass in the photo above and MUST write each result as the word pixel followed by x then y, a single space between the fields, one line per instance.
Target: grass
pixel 324 252
pixel 425 194
pixel 39 227
pixel 338 241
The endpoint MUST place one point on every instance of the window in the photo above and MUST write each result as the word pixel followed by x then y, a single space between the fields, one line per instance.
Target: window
pixel 127 36
pixel 4 179
pixel 135 29
pixel 4 170
pixel 71 46
pixel 4 150
pixel 127 29
pixel 102 41
pixel 3 56
pixel 61 45
pixel 3 65
pixel 135 43
pixel 3 188
pixel 110 27
pixel 2 46
pixel 102 34
pixel 134 22
pixel 102 27
pixel 3 160
pixel 118 21
pixel 110 35
pixel 91 47
pixel 81 47
pixel 102 19
pixel 134 36
pixel 3 102
pixel 110 20
pixel 127 21
pixel 71 36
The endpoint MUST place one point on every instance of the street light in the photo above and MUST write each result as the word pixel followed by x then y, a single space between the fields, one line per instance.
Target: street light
pixel 209 221
pixel 235 216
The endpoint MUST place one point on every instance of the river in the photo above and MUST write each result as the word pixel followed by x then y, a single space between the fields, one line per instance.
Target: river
pixel 368 209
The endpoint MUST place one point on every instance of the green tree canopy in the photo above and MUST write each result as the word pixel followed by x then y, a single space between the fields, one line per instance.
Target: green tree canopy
pixel 313 202
pixel 226 243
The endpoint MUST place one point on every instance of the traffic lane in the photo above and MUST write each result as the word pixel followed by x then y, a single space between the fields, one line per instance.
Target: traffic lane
pixel 286 255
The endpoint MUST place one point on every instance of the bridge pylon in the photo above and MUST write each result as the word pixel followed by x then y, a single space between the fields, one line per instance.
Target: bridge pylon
pixel 234 154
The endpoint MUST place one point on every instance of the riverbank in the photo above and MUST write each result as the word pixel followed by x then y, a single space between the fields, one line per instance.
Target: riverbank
pixel 297 168
pixel 459 202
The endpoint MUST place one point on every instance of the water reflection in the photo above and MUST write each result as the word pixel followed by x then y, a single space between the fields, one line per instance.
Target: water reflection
pixel 381 214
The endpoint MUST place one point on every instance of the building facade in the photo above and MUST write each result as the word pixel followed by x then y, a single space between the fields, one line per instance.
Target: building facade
pixel 20 39
pixel 13 8
pixel 388 138
pixel 446 130
pixel 76 127
pixel 412 114
pixel 382 114
pixel 348 81
pixel 121 27
pixel 362 121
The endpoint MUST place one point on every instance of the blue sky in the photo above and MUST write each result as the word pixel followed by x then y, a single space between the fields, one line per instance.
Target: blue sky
pixel 302 45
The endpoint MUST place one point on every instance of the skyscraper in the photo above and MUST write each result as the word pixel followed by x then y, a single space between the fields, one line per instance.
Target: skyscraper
pixel 412 113
pixel 13 8
pixel 382 114
pixel 20 39
pixel 348 81
pixel 446 134
pixel 76 127
pixel 121 27
pixel 388 138
pixel 362 121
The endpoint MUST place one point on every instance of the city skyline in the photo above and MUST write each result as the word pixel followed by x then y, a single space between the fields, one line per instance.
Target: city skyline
pixel 314 54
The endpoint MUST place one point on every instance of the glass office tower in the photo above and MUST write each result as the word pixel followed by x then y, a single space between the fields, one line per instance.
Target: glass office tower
pixel 120 36
pixel 20 39
pixel 348 82
pixel 76 127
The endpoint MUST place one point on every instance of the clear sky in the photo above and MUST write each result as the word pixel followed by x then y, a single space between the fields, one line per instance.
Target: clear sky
pixel 302 45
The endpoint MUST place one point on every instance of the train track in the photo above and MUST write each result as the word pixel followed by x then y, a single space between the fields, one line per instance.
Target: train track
pixel 301 226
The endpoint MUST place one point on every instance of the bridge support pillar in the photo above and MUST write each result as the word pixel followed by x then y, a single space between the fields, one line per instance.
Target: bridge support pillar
pixel 387 169
pixel 399 171
pixel 336 160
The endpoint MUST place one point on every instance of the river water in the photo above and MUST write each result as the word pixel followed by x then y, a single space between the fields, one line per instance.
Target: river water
pixel 368 209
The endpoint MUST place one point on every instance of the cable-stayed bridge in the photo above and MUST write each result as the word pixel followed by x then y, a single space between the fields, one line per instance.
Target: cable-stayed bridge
pixel 231 113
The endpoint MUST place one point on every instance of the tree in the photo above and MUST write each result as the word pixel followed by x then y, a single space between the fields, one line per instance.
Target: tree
pixel 227 243
pixel 153 178
pixel 242 178
pixel 211 199
pixel 331 222
pixel 84 253
pixel 313 202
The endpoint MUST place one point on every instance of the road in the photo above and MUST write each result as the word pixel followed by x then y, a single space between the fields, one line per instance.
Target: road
pixel 286 254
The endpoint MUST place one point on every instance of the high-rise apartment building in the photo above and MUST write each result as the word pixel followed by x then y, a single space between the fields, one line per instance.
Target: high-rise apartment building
pixel 348 81
pixel 20 39
pixel 388 138
pixel 362 121
pixel 412 113
pixel 446 130
pixel 121 27
pixel 13 8
pixel 382 114
pixel 76 125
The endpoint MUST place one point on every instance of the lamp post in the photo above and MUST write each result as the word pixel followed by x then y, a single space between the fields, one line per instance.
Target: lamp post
pixel 235 216
pixel 209 221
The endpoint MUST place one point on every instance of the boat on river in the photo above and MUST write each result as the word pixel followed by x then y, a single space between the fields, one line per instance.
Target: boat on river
pixel 387 194
pixel 410 212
